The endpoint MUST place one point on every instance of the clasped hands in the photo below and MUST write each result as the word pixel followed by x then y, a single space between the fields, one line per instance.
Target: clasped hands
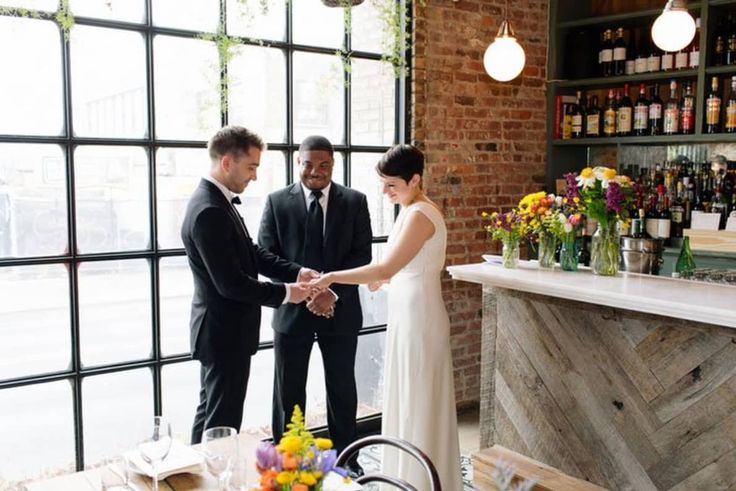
pixel 312 287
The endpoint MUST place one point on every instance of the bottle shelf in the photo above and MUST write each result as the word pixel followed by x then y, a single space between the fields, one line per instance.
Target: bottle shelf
pixel 625 17
pixel 639 77
pixel 721 70
pixel 647 140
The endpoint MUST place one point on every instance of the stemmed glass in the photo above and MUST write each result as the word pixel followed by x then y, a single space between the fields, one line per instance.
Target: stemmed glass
pixel 220 449
pixel 156 446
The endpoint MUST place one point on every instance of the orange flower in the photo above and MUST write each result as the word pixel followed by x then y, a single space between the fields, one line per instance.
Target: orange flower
pixel 299 487
pixel 289 461
pixel 268 477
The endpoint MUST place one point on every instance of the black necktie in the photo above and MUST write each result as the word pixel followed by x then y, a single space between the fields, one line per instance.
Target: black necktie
pixel 313 234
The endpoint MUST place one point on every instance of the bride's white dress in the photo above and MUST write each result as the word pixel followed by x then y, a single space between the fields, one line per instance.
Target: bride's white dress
pixel 419 392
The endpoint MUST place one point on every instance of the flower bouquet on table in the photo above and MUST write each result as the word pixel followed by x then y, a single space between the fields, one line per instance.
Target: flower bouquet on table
pixel 607 198
pixel 509 228
pixel 542 212
pixel 300 462
pixel 571 217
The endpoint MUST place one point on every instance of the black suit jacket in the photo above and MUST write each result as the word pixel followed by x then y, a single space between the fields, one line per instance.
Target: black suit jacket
pixel 347 244
pixel 226 306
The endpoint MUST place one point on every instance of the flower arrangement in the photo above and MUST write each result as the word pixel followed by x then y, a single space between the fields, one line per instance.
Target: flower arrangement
pixel 509 228
pixel 543 212
pixel 299 462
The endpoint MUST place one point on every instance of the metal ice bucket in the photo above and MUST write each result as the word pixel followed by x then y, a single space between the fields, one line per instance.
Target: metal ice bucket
pixel 641 255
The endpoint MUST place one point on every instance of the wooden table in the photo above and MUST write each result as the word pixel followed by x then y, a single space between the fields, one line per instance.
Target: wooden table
pixel 90 480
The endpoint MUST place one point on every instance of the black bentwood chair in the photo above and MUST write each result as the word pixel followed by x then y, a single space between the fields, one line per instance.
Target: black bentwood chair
pixel 355 447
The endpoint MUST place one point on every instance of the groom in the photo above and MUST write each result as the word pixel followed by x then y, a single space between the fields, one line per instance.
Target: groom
pixel 325 227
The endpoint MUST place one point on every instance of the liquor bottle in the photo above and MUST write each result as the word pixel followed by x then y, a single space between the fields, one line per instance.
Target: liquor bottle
pixel 578 116
pixel 719 51
pixel 677 211
pixel 671 125
pixel 685 263
pixel 624 114
pixel 687 110
pixel 593 119
pixel 609 115
pixel 567 122
pixel 655 112
pixel 607 54
pixel 720 206
pixel 631 51
pixel 668 61
pixel 681 59
pixel 731 108
pixel 642 55
pixel 713 108
pixel 731 49
pixel 641 112
pixel 619 53
pixel 695 46
pixel 654 59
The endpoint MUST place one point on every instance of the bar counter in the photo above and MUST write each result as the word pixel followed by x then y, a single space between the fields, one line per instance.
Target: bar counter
pixel 628 382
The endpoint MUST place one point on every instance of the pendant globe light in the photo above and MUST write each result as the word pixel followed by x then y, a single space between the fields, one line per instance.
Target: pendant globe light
pixel 674 28
pixel 504 58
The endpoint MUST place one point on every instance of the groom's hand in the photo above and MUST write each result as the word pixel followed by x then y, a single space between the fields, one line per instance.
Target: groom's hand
pixel 323 304
pixel 298 292
pixel 306 275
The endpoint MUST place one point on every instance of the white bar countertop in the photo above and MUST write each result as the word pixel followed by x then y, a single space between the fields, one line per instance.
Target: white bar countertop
pixel 682 299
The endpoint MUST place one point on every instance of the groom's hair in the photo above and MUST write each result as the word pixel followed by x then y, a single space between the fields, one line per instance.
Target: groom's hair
pixel 316 143
pixel 401 161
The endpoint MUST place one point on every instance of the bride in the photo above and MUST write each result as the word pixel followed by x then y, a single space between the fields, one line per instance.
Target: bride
pixel 418 393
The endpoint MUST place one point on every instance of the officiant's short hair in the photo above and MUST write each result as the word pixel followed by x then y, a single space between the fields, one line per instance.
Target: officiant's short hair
pixel 401 161
pixel 315 143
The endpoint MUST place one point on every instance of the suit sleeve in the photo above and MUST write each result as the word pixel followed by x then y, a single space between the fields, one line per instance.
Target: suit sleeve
pixel 219 258
pixel 361 245
pixel 268 250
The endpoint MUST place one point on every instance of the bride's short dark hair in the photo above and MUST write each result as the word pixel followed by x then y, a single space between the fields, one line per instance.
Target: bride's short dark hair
pixel 401 161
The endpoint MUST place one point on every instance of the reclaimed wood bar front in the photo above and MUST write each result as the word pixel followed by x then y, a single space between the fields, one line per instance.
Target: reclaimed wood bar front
pixel 628 382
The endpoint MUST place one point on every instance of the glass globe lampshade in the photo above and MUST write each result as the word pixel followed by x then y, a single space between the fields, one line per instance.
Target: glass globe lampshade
pixel 504 59
pixel 674 28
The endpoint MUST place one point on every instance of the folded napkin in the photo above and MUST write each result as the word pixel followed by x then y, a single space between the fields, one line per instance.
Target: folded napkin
pixel 182 459
pixel 335 482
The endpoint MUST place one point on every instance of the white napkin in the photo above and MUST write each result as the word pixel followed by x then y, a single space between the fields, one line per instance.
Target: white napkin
pixel 335 482
pixel 182 459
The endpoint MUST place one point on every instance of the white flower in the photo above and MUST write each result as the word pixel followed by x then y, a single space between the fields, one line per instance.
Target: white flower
pixel 562 218
pixel 567 227
pixel 558 201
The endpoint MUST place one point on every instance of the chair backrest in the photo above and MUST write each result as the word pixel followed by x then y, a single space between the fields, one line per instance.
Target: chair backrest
pixel 353 448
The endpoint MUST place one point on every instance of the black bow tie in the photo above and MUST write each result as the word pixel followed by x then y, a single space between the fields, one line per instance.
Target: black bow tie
pixel 235 200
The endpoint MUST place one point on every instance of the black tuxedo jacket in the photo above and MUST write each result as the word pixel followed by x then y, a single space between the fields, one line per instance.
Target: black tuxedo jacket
pixel 347 244
pixel 226 306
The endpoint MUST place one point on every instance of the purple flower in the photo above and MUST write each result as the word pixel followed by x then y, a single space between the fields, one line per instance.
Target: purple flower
pixel 327 461
pixel 341 470
pixel 614 197
pixel 571 186
pixel 266 455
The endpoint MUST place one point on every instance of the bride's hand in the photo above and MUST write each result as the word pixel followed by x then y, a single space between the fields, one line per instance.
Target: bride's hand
pixel 375 285
pixel 322 282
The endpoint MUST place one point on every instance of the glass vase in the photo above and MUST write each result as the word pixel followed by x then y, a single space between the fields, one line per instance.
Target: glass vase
pixel 547 249
pixel 569 252
pixel 605 250
pixel 510 254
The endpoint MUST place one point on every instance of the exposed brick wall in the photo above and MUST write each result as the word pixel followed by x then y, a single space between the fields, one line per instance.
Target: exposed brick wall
pixel 484 141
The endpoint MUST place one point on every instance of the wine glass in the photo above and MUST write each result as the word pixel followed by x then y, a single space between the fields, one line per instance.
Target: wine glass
pixel 155 447
pixel 220 449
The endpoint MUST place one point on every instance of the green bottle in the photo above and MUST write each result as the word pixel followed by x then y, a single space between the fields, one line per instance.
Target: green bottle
pixel 685 263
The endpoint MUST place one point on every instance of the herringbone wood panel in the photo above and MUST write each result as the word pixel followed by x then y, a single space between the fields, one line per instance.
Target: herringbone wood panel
pixel 622 399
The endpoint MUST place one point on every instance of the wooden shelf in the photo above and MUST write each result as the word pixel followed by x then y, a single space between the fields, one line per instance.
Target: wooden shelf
pixel 716 3
pixel 646 140
pixel 721 70
pixel 625 17
pixel 637 78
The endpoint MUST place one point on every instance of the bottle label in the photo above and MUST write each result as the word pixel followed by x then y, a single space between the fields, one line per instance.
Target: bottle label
pixel 694 59
pixel 713 110
pixel 609 122
pixel 619 54
pixel 731 116
pixel 686 119
pixel 671 120
pixel 566 127
pixel 606 55
pixel 630 67
pixel 640 65
pixel 681 60
pixel 641 117
pixel 653 64
pixel 592 126
pixel 577 124
pixel 677 214
pixel 667 61
pixel 655 110
pixel 624 119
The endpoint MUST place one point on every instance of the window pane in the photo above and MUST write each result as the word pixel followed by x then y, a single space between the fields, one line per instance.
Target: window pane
pixel 114 322
pixel 37 428
pixel 125 10
pixel 373 107
pixel 258 91
pixel 176 287
pixel 186 88
pixel 112 199
pixel 178 172
pixel 116 408
pixel 257 408
pixel 374 304
pixel 317 25
pixel 33 211
pixel 30 87
pixel 365 179
pixel 252 20
pixel 338 171
pixel 367 28
pixel 180 396
pixel 108 82
pixel 369 373
pixel 34 320
pixel 196 15
pixel 318 97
